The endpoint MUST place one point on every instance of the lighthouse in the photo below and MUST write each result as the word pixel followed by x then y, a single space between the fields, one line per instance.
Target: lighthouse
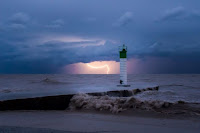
pixel 123 66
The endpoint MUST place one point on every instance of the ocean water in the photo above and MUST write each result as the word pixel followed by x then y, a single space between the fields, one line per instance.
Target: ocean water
pixel 172 87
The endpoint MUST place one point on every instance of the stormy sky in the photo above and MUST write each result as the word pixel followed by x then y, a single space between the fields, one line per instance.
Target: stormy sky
pixel 43 36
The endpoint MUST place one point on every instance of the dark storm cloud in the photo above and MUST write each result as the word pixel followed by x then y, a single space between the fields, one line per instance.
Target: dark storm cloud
pixel 42 36
pixel 126 18
pixel 58 23
pixel 173 14
pixel 52 55
pixel 20 18
pixel 179 14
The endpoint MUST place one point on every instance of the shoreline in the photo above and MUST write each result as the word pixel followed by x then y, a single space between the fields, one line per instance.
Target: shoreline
pixel 96 121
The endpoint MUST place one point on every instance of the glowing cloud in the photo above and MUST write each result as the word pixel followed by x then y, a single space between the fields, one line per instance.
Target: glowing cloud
pixel 99 67
pixel 95 67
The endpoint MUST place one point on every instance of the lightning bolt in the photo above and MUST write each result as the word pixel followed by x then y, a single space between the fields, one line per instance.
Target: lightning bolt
pixel 99 67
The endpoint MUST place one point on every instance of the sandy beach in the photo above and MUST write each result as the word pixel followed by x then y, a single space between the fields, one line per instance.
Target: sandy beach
pixel 95 122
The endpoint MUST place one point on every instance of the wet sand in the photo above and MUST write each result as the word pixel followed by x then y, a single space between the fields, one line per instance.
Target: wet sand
pixel 94 121
pixel 12 129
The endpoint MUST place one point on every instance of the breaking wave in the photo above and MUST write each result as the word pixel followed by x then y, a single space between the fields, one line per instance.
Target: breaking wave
pixel 118 101
pixel 113 104
pixel 51 81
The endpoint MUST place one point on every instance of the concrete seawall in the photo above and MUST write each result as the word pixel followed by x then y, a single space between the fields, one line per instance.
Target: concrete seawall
pixel 60 102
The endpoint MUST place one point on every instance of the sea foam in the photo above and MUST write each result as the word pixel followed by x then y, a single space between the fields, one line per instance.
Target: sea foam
pixel 114 104
pixel 121 100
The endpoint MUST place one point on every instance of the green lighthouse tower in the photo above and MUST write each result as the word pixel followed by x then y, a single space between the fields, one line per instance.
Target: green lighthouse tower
pixel 123 65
